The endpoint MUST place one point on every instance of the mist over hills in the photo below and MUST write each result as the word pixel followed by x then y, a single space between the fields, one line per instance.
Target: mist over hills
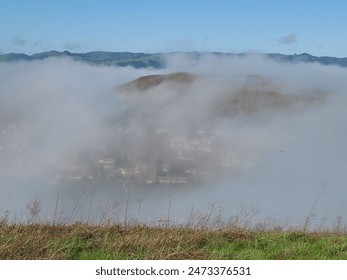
pixel 157 60
pixel 241 131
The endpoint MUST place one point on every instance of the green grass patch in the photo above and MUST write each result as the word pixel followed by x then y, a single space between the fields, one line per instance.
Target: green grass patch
pixel 83 241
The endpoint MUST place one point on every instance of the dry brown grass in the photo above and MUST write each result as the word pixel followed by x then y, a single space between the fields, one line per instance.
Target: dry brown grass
pixel 147 82
pixel 118 241
pixel 47 241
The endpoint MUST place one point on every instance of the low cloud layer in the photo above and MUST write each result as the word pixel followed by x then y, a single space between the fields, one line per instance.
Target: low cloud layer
pixel 74 46
pixel 289 39
pixel 19 41
pixel 245 134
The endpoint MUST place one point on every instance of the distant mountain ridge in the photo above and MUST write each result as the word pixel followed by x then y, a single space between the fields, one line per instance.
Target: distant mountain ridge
pixel 136 60
pixel 157 60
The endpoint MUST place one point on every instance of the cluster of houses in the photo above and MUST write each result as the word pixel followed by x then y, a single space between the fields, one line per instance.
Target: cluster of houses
pixel 186 161
pixel 182 160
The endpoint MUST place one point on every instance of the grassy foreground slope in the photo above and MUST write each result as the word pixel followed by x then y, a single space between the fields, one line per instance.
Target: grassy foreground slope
pixel 81 241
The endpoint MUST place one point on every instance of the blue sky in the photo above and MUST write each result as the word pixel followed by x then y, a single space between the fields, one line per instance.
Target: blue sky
pixel 316 27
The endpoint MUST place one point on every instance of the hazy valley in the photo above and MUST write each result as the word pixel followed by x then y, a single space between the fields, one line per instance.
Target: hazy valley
pixel 190 133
